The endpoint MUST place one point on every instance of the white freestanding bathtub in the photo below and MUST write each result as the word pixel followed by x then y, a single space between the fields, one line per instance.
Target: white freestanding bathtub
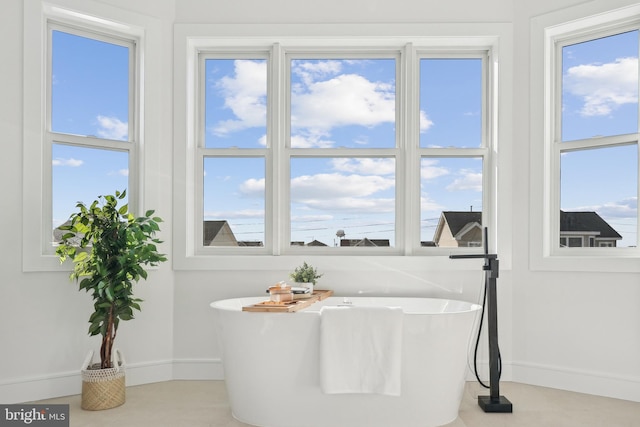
pixel 271 365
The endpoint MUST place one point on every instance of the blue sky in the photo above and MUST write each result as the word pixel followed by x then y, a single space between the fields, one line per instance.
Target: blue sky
pixel 348 102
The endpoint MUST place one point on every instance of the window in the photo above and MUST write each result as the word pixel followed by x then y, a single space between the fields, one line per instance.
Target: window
pixel 596 137
pixel 91 117
pixel 234 150
pixel 333 140
pixel 585 135
pixel 83 122
pixel 598 144
pixel 324 149
pixel 343 150
pixel 452 119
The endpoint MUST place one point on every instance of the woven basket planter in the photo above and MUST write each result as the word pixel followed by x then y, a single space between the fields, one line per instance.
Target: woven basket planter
pixel 103 388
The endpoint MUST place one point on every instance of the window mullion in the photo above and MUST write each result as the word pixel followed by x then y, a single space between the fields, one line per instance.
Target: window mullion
pixel 277 176
pixel 408 172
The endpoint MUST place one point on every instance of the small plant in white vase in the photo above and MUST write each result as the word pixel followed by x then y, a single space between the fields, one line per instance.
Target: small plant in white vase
pixel 305 276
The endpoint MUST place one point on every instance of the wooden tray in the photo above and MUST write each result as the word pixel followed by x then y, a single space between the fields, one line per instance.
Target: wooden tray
pixel 289 306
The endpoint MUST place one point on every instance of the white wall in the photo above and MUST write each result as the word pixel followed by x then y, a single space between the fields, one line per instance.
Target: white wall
pixel 572 330
pixel 330 11
pixel 43 317
pixel 577 331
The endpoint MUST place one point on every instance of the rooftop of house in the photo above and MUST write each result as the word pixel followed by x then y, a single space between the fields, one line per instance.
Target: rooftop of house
pixel 586 222
pixel 569 222
pixel 457 220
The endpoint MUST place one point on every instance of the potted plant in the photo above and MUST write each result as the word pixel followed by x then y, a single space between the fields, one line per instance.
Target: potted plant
pixel 305 276
pixel 109 248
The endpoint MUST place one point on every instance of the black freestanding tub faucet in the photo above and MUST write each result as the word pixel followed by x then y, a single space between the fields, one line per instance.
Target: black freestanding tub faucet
pixel 494 402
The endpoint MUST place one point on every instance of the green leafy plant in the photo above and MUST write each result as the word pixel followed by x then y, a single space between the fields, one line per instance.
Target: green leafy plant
pixel 109 248
pixel 305 274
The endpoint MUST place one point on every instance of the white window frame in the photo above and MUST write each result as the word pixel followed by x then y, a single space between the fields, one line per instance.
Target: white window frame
pixel 102 22
pixel 549 33
pixel 193 40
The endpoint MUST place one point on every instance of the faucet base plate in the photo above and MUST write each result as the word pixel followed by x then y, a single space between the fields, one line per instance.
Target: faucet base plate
pixel 492 404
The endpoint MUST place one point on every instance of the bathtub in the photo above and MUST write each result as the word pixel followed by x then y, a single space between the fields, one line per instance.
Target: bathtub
pixel 271 360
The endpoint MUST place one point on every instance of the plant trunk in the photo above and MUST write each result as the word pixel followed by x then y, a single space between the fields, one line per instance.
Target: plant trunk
pixel 107 341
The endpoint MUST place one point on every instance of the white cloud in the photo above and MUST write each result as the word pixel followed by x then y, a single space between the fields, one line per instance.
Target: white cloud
pixel 311 71
pixel 337 191
pixel 311 218
pixel 347 99
pixel 323 100
pixel 112 128
pixel 604 87
pixel 469 180
pixel 613 210
pixel 235 214
pixel 626 208
pixel 252 187
pixel 429 205
pixel 309 140
pixel 369 205
pixel 71 162
pixel 425 122
pixel 429 169
pixel 120 172
pixel 245 95
pixel 337 186
pixel 365 166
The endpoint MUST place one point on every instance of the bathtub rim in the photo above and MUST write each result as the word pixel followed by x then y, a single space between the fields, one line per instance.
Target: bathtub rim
pixel 236 304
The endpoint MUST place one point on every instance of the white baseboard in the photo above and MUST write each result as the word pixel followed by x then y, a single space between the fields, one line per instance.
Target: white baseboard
pixel 149 372
pixel 580 381
pixel 197 369
pixel 483 371
pixel 28 389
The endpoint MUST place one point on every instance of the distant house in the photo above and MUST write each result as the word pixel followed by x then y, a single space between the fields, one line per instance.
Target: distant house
pixel 459 229
pixel 316 243
pixel 311 243
pixel 218 233
pixel 577 229
pixel 364 242
pixel 250 243
pixel 586 229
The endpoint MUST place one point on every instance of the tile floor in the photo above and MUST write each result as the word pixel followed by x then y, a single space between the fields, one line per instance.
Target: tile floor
pixel 204 403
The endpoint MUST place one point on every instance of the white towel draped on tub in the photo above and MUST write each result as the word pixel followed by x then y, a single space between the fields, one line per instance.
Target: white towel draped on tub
pixel 361 350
